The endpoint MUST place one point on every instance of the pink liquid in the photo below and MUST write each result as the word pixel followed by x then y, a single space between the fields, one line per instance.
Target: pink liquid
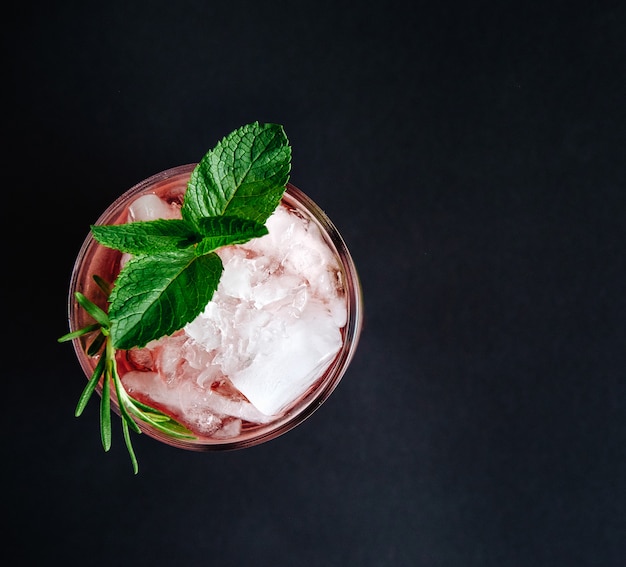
pixel 231 431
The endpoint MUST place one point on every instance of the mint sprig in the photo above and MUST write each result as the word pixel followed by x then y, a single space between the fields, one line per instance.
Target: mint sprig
pixel 174 270
pixel 231 193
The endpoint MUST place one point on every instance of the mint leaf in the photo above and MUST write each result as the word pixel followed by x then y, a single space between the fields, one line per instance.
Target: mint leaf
pixel 223 231
pixel 158 294
pixel 146 237
pixel 244 175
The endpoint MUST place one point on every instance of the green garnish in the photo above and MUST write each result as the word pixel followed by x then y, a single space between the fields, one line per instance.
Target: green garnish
pixel 231 193
pixel 174 270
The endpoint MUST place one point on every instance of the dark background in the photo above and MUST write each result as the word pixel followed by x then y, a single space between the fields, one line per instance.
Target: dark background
pixel 473 157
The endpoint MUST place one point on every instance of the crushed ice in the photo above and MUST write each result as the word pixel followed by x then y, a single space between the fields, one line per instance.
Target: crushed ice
pixel 273 326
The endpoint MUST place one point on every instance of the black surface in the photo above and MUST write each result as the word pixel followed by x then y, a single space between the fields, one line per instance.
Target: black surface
pixel 473 158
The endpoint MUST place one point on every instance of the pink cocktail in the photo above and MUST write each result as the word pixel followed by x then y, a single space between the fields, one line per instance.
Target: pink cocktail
pixel 271 345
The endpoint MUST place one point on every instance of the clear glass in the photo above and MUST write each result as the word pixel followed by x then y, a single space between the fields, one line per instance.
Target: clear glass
pixel 171 184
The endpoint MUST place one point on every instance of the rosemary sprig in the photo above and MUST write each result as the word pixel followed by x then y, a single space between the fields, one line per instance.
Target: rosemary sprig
pixel 106 370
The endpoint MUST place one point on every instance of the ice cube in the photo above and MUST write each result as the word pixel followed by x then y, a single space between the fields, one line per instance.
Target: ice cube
pixel 151 207
pixel 289 365
pixel 204 407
